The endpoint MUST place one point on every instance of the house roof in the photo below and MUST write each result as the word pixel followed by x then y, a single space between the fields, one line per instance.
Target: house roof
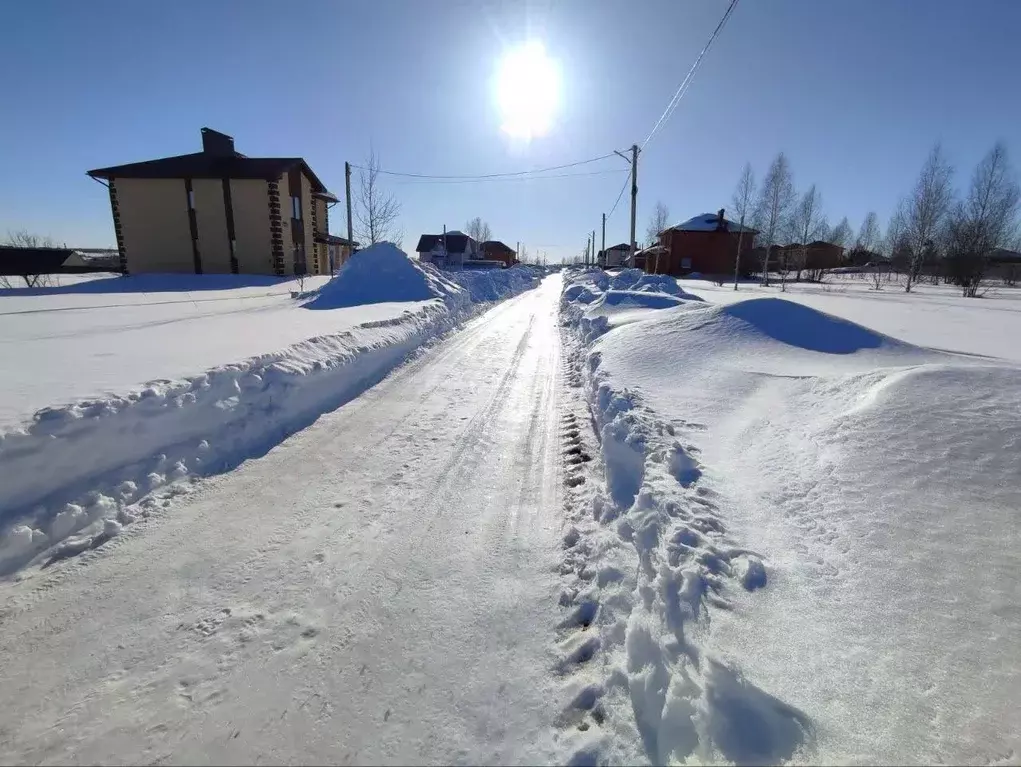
pixel 456 242
pixel 708 222
pixel 218 159
pixel 622 246
pixel 202 165
pixel 332 239
pixel 496 245
pixel 1005 256
pixel 16 261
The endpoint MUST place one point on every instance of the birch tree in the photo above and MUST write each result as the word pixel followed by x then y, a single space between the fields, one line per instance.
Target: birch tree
pixel 808 224
pixel 376 210
pixel 985 220
pixel 773 209
pixel 659 221
pixel 926 209
pixel 741 204
pixel 478 230
pixel 841 233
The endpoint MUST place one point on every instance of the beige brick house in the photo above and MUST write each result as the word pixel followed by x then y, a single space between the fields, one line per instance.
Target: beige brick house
pixel 220 212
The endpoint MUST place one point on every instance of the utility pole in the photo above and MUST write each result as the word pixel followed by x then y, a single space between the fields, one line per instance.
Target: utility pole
pixel 347 193
pixel 595 257
pixel 604 233
pixel 634 195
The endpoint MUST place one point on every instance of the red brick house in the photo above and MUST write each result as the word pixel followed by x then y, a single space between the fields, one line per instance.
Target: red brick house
pixel 705 244
pixel 494 250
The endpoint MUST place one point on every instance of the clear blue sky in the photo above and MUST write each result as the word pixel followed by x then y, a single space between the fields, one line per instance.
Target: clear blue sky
pixel 854 91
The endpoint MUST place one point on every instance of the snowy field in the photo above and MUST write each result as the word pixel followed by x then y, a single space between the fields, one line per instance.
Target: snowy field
pixel 151 382
pixel 804 530
pixel 111 335
pixel 936 316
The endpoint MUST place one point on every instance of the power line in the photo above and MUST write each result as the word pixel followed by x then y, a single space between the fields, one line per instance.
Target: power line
pixel 489 175
pixel 615 204
pixel 683 87
pixel 513 178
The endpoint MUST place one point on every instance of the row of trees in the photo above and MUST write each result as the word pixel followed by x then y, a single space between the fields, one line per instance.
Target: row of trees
pixel 932 230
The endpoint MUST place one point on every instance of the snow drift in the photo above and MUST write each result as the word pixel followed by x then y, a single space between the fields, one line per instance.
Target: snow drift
pixel 877 482
pixel 383 273
pixel 73 476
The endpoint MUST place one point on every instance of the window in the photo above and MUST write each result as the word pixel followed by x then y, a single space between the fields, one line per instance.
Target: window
pixel 296 207
pixel 685 263
pixel 191 199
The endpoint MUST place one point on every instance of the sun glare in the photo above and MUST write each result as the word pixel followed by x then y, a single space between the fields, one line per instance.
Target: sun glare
pixel 527 90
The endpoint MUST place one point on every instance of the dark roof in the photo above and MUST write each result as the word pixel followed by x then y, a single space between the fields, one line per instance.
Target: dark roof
pixel 622 246
pixel 709 222
pixel 817 243
pixel 1005 256
pixel 332 239
pixel 215 161
pixel 15 261
pixel 497 246
pixel 456 243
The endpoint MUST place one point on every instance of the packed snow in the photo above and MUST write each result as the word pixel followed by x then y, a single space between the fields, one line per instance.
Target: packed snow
pixel 73 474
pixel 803 534
pixel 380 587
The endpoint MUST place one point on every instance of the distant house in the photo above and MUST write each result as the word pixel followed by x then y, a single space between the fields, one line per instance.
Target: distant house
pixel 447 251
pixel 457 250
pixel 218 211
pixel 614 256
pixel 29 263
pixel 705 244
pixel 814 257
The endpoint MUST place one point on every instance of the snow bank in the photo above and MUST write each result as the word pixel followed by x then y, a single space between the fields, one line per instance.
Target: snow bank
pixel 876 482
pixel 73 476
pixel 496 284
pixel 382 273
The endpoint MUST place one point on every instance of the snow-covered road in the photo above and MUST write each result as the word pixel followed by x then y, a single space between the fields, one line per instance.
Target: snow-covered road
pixel 381 587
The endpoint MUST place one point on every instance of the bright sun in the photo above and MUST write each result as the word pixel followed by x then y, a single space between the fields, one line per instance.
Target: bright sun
pixel 527 90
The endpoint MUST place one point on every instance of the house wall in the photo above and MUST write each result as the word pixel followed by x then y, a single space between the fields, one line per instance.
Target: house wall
pixel 285 219
pixel 253 245
pixel 211 217
pixel 615 258
pixel 323 225
pixel 703 252
pixel 154 223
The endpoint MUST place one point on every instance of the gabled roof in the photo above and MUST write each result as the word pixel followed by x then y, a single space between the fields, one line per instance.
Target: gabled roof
pixel 622 246
pixel 202 165
pixel 490 246
pixel 16 261
pixel 456 242
pixel 217 160
pixel 709 222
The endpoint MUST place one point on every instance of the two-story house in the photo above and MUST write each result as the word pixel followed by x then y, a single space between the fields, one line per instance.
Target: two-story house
pixel 218 211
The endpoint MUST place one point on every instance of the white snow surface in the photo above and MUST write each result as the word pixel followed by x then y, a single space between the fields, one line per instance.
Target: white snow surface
pixel 73 470
pixel 380 587
pixel 823 525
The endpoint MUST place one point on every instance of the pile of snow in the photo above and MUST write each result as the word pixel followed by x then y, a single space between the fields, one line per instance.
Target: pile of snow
pixel 382 273
pixel 596 301
pixel 822 521
pixel 496 284
pixel 75 474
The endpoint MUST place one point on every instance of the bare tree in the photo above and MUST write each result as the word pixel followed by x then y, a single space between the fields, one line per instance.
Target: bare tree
pixel 808 224
pixel 741 204
pixel 376 210
pixel 772 211
pixel 866 244
pixel 926 210
pixel 478 230
pixel 659 221
pixel 983 221
pixel 22 238
pixel 841 233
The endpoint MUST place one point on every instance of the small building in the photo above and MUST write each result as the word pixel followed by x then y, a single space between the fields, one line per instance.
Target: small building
pixel 615 256
pixel 218 211
pixel 494 250
pixel 817 256
pixel 705 244
pixel 451 250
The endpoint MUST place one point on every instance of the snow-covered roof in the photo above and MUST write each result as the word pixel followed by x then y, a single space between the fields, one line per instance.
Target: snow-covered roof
pixel 707 222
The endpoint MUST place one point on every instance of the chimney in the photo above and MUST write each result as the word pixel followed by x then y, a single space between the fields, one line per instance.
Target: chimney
pixel 721 222
pixel 216 143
